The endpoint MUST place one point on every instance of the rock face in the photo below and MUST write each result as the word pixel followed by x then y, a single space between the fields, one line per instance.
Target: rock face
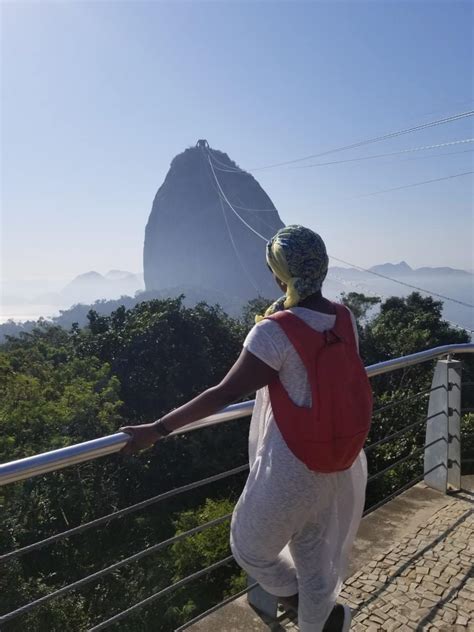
pixel 193 237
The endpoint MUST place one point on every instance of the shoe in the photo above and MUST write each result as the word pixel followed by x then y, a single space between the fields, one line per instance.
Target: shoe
pixel 339 620
pixel 346 624
pixel 290 604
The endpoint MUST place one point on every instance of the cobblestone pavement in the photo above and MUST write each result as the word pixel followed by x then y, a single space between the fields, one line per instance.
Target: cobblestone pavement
pixel 423 582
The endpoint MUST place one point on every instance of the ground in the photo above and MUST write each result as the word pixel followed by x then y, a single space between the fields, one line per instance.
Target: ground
pixel 412 569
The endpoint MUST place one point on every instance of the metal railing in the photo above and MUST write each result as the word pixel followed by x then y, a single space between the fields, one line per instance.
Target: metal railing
pixel 89 450
pixel 439 472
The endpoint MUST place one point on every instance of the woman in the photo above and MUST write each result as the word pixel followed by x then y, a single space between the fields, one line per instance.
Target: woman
pixel 293 527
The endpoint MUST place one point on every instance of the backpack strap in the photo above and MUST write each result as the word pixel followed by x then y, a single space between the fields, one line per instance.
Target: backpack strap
pixel 304 339
pixel 300 333
pixel 344 328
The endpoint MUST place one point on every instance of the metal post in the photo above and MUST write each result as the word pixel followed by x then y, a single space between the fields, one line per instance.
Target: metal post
pixel 262 601
pixel 443 436
pixel 454 426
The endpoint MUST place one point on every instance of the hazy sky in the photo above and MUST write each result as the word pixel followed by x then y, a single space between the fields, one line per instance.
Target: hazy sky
pixel 98 97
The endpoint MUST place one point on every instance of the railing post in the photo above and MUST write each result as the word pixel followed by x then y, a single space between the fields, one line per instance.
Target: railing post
pixel 262 601
pixel 442 464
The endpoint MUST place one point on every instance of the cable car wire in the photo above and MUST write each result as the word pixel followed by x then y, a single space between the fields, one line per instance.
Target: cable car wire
pixel 375 139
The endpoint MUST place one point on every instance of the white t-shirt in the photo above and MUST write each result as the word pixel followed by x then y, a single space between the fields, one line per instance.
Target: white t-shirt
pixel 269 343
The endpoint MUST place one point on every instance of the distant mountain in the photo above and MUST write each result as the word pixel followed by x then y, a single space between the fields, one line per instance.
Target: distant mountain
pixel 458 284
pixel 92 286
pixel 443 271
pixel 398 269
pixel 119 275
pixel 402 269
pixel 87 282
pixel 85 288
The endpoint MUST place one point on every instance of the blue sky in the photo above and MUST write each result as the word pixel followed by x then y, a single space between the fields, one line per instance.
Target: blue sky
pixel 97 98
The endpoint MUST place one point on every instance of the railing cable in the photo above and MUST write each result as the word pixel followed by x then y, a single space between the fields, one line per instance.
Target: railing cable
pixel 122 512
pixel 113 567
pixel 160 593
pixel 398 402
pixel 391 496
pixel 205 614
pixel 395 435
pixel 409 456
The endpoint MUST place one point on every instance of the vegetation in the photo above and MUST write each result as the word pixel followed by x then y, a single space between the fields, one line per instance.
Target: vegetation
pixel 59 387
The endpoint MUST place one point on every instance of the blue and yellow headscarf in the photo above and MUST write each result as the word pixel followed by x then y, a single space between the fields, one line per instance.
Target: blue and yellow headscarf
pixel 298 257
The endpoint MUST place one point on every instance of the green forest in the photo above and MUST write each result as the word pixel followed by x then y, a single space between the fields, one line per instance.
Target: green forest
pixel 63 386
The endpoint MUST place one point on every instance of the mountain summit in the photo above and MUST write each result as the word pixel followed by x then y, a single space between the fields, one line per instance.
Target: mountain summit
pixel 399 269
pixel 201 232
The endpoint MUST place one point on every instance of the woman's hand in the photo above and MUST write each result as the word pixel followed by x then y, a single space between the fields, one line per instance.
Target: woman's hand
pixel 142 437
pixel 246 376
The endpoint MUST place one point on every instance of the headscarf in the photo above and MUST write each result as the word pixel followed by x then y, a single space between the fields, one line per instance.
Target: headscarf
pixel 298 257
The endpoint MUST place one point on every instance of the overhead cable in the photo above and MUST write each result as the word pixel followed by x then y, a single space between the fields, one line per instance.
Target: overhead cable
pixel 392 153
pixel 259 219
pixel 374 294
pixel 243 208
pixel 375 139
pixel 413 287
pixel 236 251
pixel 230 205
pixel 221 163
pixel 413 184
pixel 352 265
pixel 256 210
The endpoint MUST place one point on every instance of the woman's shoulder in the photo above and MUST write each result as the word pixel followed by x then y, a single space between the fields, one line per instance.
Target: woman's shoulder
pixel 266 328
pixel 269 343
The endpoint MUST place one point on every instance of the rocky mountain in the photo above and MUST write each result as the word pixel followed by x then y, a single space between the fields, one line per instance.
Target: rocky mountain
pixel 92 286
pixel 201 233
pixel 403 271
pixel 399 269
pixel 120 275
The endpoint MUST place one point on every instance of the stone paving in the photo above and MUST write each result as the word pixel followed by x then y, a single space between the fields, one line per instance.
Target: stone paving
pixel 423 579
pixel 423 582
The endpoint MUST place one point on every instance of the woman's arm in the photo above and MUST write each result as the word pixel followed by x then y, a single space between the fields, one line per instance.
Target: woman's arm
pixel 246 376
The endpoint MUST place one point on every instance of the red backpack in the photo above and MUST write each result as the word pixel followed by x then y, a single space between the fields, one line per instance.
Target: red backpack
pixel 328 436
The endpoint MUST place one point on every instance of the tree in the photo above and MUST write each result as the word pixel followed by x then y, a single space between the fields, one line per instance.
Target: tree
pixel 360 304
pixel 407 325
pixel 403 326
pixel 255 307
pixel 58 387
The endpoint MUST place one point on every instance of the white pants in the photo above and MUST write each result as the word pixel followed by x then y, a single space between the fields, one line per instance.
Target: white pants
pixel 293 529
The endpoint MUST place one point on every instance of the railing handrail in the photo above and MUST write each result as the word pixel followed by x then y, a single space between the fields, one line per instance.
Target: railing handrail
pixel 90 450
pixel 419 357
